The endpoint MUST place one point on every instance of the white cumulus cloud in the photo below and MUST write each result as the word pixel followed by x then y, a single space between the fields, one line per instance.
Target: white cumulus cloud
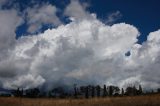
pixel 84 51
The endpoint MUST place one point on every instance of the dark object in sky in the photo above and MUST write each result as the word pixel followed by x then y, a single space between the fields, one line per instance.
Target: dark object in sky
pixel 128 53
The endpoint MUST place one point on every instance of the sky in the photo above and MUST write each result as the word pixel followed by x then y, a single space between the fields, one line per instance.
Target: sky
pixel 51 43
pixel 137 13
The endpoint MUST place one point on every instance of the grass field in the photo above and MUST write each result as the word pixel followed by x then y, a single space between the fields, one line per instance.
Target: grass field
pixel 150 100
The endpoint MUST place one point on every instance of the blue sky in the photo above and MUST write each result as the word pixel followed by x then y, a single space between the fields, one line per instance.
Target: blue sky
pixel 144 15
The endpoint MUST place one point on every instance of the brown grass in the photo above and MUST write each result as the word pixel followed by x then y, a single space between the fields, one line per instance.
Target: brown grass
pixel 150 100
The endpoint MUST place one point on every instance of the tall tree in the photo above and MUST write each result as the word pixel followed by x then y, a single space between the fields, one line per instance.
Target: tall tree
pixel 110 90
pixel 98 88
pixel 122 92
pixel 93 91
pixel 113 90
pixel 18 92
pixel 158 90
pixel 86 92
pixel 75 90
pixel 140 89
pixel 104 91
pixel 131 90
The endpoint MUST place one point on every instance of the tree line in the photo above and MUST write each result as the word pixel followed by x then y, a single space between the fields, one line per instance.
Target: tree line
pixel 89 91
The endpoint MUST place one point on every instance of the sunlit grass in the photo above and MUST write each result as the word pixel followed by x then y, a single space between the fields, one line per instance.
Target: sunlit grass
pixel 150 100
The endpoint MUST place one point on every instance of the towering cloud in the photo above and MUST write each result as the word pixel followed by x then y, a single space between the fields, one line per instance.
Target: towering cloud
pixel 84 51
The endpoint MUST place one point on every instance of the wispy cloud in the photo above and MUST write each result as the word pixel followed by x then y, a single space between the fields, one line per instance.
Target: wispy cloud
pixel 113 17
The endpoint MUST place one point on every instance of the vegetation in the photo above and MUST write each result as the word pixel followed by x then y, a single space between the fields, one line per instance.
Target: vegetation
pixel 89 91
pixel 83 96
pixel 148 100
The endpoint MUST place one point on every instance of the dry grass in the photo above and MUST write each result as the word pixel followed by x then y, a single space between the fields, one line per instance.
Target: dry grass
pixel 152 100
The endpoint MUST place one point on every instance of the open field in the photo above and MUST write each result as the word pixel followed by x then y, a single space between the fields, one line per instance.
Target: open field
pixel 149 100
